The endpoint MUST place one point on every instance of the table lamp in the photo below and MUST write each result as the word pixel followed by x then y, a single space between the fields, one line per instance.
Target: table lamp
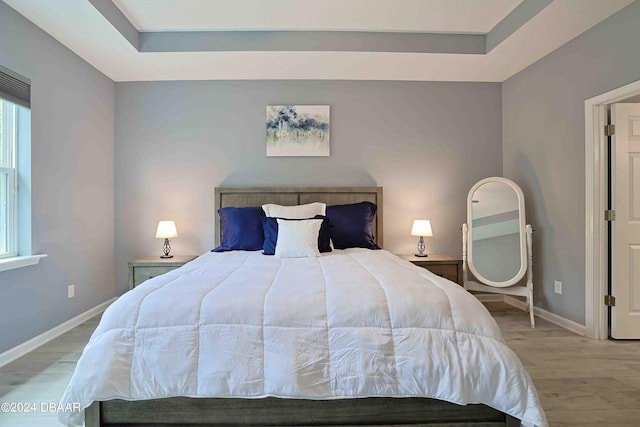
pixel 166 230
pixel 421 227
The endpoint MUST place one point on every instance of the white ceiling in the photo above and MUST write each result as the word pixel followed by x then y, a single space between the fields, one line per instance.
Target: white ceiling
pixel 82 28
pixel 454 16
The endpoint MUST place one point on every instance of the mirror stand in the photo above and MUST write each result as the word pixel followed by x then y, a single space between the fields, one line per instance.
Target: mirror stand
pixel 523 291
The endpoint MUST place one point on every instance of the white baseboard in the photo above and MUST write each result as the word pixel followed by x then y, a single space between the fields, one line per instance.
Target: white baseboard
pixel 547 315
pixel 24 348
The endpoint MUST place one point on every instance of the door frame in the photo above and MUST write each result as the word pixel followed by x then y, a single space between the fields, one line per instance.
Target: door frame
pixel 596 249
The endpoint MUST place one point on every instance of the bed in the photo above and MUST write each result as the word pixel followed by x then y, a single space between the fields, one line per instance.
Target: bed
pixel 415 364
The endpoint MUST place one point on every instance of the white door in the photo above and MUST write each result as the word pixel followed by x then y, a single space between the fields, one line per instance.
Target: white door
pixel 625 156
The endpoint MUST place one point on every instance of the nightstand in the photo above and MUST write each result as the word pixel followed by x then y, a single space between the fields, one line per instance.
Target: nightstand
pixel 145 268
pixel 442 265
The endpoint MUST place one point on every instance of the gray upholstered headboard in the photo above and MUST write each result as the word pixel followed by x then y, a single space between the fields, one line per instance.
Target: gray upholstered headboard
pixel 257 196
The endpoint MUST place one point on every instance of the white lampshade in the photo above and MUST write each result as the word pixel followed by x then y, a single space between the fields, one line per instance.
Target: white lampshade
pixel 166 230
pixel 421 227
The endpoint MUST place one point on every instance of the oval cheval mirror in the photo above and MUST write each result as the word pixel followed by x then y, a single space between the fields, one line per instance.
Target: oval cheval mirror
pixel 496 244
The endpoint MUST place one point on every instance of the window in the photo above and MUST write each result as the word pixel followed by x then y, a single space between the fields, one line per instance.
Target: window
pixel 8 179
pixel 15 165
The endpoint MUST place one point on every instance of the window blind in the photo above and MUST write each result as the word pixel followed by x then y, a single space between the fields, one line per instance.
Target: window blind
pixel 15 88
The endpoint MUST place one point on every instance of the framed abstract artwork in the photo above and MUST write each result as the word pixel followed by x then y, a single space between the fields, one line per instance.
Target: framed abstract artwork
pixel 298 130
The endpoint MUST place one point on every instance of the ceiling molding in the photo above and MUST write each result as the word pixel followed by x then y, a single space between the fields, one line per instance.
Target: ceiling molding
pixel 102 35
pixel 319 41
pixel 513 21
pixel 310 41
pixel 120 22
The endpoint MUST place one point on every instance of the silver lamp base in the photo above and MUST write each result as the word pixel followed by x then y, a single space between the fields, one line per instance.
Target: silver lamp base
pixel 421 248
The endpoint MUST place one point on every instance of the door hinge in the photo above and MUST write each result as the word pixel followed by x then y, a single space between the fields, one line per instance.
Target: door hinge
pixel 610 300
pixel 609 130
pixel 610 215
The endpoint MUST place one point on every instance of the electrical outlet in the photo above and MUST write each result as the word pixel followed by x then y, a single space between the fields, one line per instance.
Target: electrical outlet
pixel 71 291
pixel 558 287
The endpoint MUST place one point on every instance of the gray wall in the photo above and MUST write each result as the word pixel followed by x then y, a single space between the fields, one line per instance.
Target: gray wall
pixel 72 184
pixel 425 143
pixel 544 147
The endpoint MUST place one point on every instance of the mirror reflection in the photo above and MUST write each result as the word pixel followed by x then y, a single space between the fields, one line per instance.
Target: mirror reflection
pixel 496 232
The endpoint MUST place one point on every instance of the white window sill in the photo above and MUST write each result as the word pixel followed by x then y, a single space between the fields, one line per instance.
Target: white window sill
pixel 20 261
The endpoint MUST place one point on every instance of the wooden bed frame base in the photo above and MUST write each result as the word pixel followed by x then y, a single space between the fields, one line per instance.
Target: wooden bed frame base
pixel 270 411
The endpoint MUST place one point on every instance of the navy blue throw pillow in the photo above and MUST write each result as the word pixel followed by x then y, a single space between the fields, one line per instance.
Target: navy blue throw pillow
pixel 241 229
pixel 270 226
pixel 352 225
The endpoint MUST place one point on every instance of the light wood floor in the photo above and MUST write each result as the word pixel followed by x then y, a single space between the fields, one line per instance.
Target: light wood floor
pixel 581 382
pixel 41 377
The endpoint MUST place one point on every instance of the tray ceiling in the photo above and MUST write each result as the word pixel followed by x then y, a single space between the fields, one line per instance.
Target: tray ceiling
pixel 419 40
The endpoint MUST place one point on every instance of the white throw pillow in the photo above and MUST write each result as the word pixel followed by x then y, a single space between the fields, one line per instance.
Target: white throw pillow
pixel 295 212
pixel 298 239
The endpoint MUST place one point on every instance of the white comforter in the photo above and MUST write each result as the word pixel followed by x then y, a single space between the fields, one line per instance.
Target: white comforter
pixel 351 323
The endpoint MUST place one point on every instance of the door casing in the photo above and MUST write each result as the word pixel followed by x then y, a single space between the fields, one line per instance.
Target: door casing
pixel 596 251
